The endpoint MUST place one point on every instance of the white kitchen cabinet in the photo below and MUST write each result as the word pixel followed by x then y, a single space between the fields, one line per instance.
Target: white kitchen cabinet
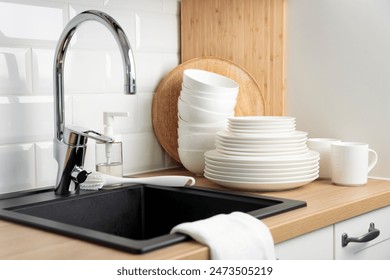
pixel 326 243
pixel 378 248
pixel 316 245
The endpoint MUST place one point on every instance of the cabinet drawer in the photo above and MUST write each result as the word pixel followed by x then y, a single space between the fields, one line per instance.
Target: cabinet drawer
pixel 378 248
pixel 316 245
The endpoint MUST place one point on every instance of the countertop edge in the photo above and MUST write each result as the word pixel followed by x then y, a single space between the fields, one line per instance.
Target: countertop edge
pixel 327 204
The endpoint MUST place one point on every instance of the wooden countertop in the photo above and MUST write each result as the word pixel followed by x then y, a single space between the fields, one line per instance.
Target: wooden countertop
pixel 326 204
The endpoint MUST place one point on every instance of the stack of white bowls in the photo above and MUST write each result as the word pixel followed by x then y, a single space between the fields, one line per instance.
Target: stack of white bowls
pixel 206 101
pixel 261 154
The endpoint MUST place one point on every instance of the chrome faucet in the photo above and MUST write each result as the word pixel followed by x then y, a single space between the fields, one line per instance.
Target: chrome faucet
pixel 70 143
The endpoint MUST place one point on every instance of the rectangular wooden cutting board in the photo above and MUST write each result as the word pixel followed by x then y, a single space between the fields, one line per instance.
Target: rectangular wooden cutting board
pixel 248 32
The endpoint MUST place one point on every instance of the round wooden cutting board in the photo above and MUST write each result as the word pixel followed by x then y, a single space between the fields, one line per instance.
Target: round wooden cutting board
pixel 250 101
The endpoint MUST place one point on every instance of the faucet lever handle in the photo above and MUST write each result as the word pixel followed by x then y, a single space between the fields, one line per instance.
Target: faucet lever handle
pixel 98 136
pixel 78 136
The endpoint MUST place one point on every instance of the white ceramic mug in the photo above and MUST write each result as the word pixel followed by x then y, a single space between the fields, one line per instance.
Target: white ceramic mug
pixel 351 162
pixel 323 147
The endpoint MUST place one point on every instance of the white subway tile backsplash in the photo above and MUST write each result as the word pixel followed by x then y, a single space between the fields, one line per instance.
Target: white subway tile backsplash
pixel 141 153
pixel 152 68
pixel 159 6
pixel 145 100
pixel 157 32
pixel 28 118
pixel 92 71
pixel 15 71
pixel 46 165
pixel 170 162
pixel 17 167
pixel 97 3
pixel 42 71
pixel 85 71
pixel 94 35
pixel 171 6
pixel 29 31
pixel 25 118
pixel 88 111
pixel 115 72
pixel 37 20
pixel 144 5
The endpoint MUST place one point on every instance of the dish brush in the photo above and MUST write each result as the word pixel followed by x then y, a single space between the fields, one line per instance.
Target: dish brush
pixel 97 180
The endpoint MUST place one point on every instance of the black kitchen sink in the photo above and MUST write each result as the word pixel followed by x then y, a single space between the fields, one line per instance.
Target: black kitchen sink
pixel 133 218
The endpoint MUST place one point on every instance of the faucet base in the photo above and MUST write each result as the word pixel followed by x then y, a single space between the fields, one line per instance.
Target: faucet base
pixel 70 160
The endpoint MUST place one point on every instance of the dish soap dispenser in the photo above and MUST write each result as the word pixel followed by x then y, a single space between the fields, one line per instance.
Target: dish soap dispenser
pixel 109 155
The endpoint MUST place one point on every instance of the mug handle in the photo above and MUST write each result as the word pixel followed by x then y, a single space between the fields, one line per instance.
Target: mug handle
pixel 374 159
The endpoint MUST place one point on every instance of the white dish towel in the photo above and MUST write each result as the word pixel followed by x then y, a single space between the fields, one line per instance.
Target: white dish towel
pixel 234 236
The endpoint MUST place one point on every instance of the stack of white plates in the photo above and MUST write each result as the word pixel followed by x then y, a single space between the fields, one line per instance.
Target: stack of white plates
pixel 261 125
pixel 261 154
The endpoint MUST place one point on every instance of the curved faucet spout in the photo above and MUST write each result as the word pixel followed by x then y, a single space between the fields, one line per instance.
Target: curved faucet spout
pixel 70 144
pixel 59 60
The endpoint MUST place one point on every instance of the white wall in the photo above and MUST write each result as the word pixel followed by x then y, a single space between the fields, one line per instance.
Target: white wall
pixel 29 31
pixel 337 85
pixel 338 71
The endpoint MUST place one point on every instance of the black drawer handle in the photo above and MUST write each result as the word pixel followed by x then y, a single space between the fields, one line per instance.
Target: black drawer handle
pixel 370 235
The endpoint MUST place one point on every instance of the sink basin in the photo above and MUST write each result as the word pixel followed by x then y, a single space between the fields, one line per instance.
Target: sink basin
pixel 133 218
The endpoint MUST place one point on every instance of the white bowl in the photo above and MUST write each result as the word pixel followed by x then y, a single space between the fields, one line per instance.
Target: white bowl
pixel 182 122
pixel 196 141
pixel 228 95
pixel 187 129
pixel 192 160
pixel 208 81
pixel 216 107
pixel 211 104
pixel 196 115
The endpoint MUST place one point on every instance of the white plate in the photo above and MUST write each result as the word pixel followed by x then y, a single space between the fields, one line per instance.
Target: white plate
pixel 261 142
pixel 215 155
pixel 296 135
pixel 262 186
pixel 260 179
pixel 255 149
pixel 261 175
pixel 259 147
pixel 267 165
pixel 261 119
pixel 253 153
pixel 278 131
pixel 261 125
pixel 260 170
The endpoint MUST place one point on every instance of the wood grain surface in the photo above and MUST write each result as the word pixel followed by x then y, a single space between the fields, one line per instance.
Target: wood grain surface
pixel 164 109
pixel 249 33
pixel 327 204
